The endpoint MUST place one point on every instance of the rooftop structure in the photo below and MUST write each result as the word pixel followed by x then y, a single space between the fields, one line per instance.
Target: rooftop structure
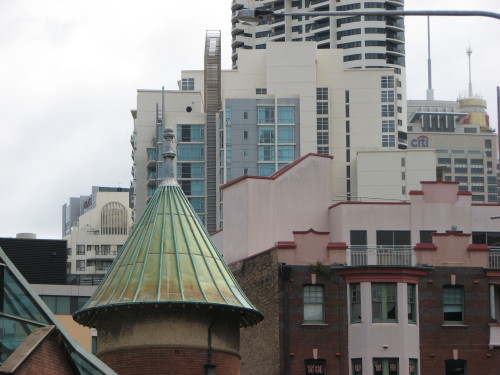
pixel 171 288
pixel 40 261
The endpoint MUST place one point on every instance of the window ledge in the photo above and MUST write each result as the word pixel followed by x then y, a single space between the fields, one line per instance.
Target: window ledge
pixel 314 325
pixel 449 325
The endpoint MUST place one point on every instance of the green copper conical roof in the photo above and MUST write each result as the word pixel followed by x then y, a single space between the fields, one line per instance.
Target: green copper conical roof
pixel 169 258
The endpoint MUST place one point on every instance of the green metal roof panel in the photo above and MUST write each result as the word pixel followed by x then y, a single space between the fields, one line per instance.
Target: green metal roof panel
pixel 169 258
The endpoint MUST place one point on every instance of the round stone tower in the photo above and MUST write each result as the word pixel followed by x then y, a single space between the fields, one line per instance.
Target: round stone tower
pixel 169 304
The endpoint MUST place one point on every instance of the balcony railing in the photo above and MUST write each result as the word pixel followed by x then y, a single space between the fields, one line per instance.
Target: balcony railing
pixel 494 258
pixel 396 36
pixel 151 154
pixel 381 256
pixel 402 256
pixel 105 252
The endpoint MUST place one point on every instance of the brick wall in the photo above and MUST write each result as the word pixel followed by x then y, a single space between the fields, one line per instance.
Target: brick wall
pixel 263 346
pixel 47 359
pixel 259 345
pixel 161 361
pixel 326 338
pixel 437 341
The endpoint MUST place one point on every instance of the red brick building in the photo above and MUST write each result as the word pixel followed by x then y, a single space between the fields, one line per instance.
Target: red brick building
pixel 368 288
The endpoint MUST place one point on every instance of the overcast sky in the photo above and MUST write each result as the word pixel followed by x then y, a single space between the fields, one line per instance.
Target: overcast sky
pixel 69 71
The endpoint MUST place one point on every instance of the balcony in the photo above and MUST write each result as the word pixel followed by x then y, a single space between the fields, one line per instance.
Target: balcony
pixel 396 2
pixel 152 176
pixel 395 37
pixel 395 24
pixel 236 43
pixel 106 252
pixel 101 255
pixel 237 30
pixel 151 157
pixel 236 5
pixel 402 256
pixel 132 141
pixel 97 269
pixel 320 25
pixel 397 50
pixel 494 258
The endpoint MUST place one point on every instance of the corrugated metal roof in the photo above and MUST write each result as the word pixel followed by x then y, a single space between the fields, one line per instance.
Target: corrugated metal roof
pixel 169 258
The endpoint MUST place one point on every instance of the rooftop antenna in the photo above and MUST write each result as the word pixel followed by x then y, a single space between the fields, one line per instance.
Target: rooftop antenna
pixel 430 91
pixel 469 52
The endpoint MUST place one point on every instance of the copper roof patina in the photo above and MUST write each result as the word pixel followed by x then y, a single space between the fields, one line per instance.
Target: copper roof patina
pixel 169 258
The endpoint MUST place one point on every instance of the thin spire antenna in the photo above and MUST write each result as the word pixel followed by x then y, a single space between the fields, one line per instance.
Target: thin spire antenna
pixel 430 91
pixel 469 53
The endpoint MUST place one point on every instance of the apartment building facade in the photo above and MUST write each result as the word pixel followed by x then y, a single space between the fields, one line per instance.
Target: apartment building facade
pixel 368 41
pixel 281 103
pixel 372 288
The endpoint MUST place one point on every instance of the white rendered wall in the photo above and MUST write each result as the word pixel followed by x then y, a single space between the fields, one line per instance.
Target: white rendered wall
pixel 175 103
pixel 383 175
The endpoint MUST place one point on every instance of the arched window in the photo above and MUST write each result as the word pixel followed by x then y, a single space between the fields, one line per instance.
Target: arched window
pixel 114 219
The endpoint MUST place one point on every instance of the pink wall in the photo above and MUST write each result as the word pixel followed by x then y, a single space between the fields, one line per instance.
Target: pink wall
pixel 293 207
pixel 259 212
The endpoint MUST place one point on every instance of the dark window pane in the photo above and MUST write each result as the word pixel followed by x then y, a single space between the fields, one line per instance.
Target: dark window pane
pixel 402 237
pixel 453 304
pixel 393 237
pixel 456 367
pixel 385 237
pixel 358 237
pixel 426 236
pixel 487 238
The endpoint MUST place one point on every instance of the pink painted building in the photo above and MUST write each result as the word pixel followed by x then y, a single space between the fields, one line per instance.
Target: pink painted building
pixel 365 288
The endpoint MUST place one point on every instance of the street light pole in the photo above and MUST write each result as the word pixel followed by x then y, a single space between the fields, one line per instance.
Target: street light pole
pixel 256 15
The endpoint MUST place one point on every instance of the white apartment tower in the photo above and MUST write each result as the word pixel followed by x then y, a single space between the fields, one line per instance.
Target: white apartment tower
pixel 95 226
pixel 368 41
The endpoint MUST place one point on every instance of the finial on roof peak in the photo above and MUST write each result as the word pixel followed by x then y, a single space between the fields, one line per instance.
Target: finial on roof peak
pixel 168 158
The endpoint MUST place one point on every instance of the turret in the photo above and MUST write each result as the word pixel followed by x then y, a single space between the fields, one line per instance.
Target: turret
pixel 169 303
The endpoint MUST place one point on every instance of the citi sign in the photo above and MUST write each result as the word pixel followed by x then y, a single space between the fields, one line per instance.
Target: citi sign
pixel 422 141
